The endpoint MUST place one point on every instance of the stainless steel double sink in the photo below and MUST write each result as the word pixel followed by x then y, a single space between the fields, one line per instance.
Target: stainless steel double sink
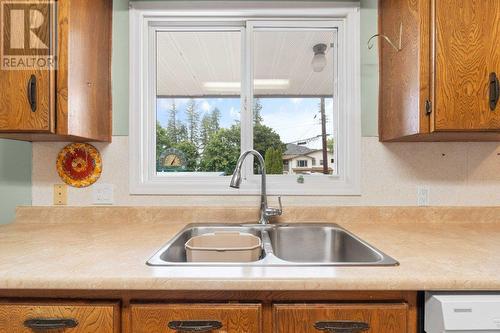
pixel 308 244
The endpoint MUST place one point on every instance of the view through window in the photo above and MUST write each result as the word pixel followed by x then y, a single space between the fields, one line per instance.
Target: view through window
pixel 198 104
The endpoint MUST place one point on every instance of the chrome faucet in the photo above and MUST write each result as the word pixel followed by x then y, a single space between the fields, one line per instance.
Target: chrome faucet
pixel 265 211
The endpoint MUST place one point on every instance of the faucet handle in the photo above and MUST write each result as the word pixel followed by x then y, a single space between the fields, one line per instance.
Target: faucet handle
pixel 275 211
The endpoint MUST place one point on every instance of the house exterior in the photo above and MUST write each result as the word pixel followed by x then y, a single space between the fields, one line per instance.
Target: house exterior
pixel 303 160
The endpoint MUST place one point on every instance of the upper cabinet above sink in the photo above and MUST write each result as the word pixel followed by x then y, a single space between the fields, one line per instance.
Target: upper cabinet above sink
pixel 55 77
pixel 442 85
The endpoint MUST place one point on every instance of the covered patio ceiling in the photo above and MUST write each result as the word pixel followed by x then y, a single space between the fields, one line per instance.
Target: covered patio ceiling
pixel 208 64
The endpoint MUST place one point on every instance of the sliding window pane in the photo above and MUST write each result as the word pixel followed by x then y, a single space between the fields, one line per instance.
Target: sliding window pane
pixel 198 102
pixel 294 118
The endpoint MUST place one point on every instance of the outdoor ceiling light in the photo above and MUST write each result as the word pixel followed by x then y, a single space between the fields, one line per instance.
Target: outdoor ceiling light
pixel 232 86
pixel 318 62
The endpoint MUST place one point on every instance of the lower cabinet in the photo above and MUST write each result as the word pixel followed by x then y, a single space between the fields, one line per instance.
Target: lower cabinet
pixel 223 318
pixel 347 318
pixel 216 313
pixel 61 317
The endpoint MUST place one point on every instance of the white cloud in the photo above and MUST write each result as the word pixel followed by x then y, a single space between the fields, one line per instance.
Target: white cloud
pixel 205 106
pixel 297 100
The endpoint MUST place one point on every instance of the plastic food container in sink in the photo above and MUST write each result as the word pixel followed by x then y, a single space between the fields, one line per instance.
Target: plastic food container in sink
pixel 224 247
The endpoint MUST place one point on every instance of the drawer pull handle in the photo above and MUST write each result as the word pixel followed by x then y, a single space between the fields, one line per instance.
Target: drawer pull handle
pixel 50 324
pixel 194 325
pixel 31 91
pixel 341 326
pixel 494 91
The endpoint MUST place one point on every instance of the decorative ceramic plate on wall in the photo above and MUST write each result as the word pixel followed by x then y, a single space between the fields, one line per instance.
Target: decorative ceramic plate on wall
pixel 79 164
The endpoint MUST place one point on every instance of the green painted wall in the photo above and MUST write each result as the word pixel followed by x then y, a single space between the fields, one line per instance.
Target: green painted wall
pixel 369 69
pixel 15 177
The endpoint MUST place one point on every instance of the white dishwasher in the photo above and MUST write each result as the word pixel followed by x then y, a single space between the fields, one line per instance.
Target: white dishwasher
pixel 462 313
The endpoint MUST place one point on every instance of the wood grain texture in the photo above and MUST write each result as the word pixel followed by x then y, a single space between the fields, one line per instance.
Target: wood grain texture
pixel 467 50
pixel 75 100
pixel 300 318
pixel 15 112
pixel 84 78
pixel 236 318
pixel 404 75
pixel 92 318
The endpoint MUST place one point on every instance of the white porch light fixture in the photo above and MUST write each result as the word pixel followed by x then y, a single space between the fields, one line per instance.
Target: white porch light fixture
pixel 318 62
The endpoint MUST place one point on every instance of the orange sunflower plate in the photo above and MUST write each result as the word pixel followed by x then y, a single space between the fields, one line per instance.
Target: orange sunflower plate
pixel 79 164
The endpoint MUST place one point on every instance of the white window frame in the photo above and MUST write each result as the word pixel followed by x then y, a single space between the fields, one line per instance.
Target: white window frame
pixel 147 17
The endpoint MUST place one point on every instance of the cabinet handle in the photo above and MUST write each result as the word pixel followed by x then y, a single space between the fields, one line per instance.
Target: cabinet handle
pixel 37 324
pixel 494 91
pixel 342 326
pixel 194 325
pixel 32 92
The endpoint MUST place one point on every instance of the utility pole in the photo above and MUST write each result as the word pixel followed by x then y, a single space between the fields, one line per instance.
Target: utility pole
pixel 323 136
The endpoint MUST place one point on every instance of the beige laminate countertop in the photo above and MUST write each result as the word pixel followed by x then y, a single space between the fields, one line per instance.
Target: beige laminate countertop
pixel 111 255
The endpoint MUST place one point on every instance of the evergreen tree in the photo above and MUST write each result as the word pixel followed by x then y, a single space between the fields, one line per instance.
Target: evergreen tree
pixel 278 161
pixel 193 118
pixel 257 109
pixel 268 159
pixel 209 126
pixel 182 133
pixel 172 125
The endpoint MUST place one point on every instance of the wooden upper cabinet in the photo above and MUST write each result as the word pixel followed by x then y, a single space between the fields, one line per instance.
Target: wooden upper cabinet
pixel 215 318
pixel 73 99
pixel 315 318
pixel 437 87
pixel 467 51
pixel 75 318
pixel 27 94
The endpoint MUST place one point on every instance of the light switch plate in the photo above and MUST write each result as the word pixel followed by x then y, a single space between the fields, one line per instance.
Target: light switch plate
pixel 60 194
pixel 103 194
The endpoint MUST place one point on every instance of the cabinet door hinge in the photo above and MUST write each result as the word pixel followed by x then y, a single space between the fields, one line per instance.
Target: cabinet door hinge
pixel 428 107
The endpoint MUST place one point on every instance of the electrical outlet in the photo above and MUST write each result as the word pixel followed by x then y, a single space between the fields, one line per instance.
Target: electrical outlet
pixel 423 196
pixel 60 194
pixel 103 194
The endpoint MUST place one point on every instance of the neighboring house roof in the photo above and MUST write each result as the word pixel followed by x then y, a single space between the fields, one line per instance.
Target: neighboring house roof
pixel 293 150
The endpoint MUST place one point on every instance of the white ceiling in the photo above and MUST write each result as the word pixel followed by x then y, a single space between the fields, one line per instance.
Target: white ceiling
pixel 208 63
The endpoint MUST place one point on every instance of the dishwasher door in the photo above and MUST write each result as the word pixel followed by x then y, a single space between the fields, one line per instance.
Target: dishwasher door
pixel 462 313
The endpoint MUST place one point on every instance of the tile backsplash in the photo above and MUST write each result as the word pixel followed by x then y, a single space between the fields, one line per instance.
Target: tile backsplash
pixel 455 173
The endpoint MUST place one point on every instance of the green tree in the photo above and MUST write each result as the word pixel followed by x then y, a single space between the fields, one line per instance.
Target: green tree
pixel 182 133
pixel 268 159
pixel 172 125
pixel 278 161
pixel 209 126
pixel 257 112
pixel 274 161
pixel 190 152
pixel 330 145
pixel 222 151
pixel 193 119
pixel 265 137
pixel 162 141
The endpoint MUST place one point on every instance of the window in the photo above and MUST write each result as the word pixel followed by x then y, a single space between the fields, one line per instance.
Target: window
pixel 206 87
pixel 302 163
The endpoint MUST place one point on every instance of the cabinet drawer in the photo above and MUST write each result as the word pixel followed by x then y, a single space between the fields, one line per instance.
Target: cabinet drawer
pixel 314 318
pixel 71 318
pixel 222 318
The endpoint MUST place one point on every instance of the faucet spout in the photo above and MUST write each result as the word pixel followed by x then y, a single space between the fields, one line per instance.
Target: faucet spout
pixel 265 211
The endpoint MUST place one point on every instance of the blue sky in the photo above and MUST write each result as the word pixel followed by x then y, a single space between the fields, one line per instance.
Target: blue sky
pixel 292 118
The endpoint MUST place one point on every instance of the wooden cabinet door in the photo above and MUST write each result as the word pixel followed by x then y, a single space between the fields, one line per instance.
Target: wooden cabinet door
pixel 20 77
pixel 467 51
pixel 369 318
pixel 92 318
pixel 161 318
